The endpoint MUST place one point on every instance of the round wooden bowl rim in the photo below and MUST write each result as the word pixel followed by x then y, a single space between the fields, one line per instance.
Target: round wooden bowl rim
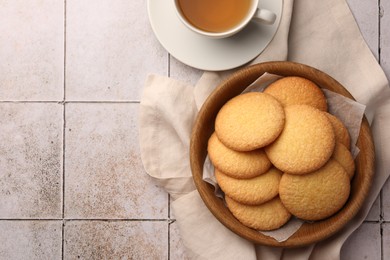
pixel 309 232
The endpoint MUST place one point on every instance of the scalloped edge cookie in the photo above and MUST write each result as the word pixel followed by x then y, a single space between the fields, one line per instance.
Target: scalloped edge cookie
pixel 249 121
pixel 267 216
pixel 253 191
pixel 295 90
pixel 306 143
pixel 241 165
pixel 317 195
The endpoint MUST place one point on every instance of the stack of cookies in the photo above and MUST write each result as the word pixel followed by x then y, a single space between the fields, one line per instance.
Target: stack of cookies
pixel 280 153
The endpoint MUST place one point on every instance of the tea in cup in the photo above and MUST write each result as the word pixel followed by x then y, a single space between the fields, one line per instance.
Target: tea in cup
pixel 221 18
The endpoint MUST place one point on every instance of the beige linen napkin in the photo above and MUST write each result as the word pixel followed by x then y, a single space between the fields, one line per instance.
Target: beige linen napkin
pixel 322 34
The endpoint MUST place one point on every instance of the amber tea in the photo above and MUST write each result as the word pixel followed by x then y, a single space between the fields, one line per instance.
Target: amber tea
pixel 215 15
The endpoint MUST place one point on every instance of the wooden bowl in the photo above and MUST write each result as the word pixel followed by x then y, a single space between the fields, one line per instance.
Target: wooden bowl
pixel 204 127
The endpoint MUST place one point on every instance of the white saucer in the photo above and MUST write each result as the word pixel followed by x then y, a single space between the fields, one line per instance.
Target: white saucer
pixel 210 54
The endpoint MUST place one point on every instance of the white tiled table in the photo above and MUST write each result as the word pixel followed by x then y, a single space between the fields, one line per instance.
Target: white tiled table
pixel 72 183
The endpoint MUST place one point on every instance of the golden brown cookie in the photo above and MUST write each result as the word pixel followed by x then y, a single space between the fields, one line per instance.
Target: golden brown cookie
pixel 239 165
pixel 252 191
pixel 341 132
pixel 316 195
pixel 306 143
pixel 297 90
pixel 267 216
pixel 249 121
pixel 343 156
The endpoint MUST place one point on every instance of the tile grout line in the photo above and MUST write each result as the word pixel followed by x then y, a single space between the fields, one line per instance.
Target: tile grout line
pixel 32 101
pixel 63 181
pixel 169 240
pixel 381 222
pixel 168 220
pixel 72 101
pixel 381 219
pixel 120 220
pixel 63 143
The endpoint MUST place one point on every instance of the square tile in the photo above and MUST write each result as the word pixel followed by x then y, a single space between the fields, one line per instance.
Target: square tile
pixel 385 37
pixel 366 15
pixel 30 239
pixel 386 241
pixel 31 160
pixel 364 243
pixel 386 200
pixel 32 50
pixel 104 175
pixel 110 49
pixel 176 246
pixel 116 240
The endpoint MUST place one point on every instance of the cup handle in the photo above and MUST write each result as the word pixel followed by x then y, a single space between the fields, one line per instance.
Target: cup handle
pixel 264 16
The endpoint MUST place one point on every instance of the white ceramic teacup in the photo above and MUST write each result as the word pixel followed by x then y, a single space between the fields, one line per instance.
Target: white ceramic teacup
pixel 254 12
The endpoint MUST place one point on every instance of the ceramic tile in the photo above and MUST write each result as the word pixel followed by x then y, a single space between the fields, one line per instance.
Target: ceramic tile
pixel 104 175
pixel 364 243
pixel 366 15
pixel 110 49
pixel 386 200
pixel 375 211
pixel 30 160
pixel 385 37
pixel 30 239
pixel 386 241
pixel 32 50
pixel 184 73
pixel 176 246
pixel 116 240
